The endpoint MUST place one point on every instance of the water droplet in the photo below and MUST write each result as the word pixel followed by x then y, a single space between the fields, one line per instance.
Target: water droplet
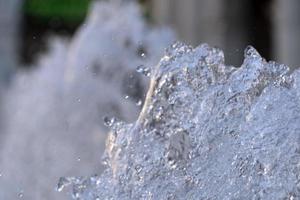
pixel 62 183
pixel 126 97
pixel 78 159
pixel 21 194
pixel 250 51
pixel 109 121
pixel 139 102
pixel 143 55
pixel 79 100
pixel 143 70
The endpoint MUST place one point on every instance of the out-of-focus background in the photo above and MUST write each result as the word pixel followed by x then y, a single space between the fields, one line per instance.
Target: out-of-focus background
pixel 272 26
pixel 68 65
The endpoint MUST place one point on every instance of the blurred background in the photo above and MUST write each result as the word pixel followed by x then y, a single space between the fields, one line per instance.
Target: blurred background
pixel 52 110
pixel 272 26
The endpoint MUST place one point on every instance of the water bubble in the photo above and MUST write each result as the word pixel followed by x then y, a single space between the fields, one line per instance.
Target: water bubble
pixel 143 70
pixel 138 168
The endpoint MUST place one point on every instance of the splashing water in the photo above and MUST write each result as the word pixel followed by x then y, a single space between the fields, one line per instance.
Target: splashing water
pixel 207 131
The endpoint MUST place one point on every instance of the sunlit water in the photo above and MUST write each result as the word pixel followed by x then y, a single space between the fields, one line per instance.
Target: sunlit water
pixel 206 131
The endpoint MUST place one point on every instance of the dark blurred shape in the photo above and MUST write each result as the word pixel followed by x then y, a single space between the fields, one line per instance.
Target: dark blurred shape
pixel 247 22
pixel 9 38
pixel 46 17
pixel 261 34
pixel 230 25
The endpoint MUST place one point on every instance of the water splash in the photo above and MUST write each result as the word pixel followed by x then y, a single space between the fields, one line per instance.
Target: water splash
pixel 207 131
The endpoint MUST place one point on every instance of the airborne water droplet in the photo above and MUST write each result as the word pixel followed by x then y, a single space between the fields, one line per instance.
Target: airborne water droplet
pixel 21 194
pixel 62 183
pixel 139 102
pixel 140 68
pixel 109 121
pixel 143 70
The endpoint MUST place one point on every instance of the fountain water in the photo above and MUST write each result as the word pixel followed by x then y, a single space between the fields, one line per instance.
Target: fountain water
pixel 206 131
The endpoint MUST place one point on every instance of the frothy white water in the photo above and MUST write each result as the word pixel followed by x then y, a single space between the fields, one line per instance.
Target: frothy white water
pixel 206 131
pixel 54 113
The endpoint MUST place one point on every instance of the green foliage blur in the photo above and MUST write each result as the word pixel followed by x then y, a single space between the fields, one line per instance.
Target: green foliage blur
pixel 72 11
